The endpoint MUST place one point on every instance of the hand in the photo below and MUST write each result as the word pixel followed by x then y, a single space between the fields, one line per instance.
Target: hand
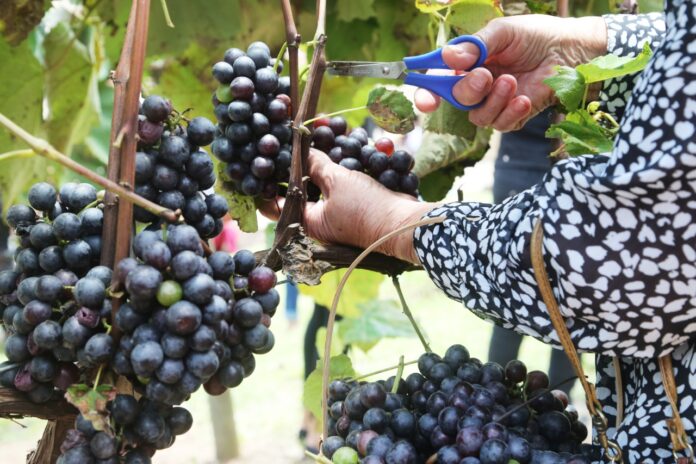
pixel 522 51
pixel 357 210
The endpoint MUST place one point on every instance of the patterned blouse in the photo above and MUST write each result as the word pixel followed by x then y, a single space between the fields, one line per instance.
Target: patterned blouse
pixel 619 240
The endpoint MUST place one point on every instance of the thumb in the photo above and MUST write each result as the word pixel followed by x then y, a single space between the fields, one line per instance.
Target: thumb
pixel 462 56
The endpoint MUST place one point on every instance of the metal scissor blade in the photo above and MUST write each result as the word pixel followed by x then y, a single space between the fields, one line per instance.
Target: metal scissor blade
pixel 385 70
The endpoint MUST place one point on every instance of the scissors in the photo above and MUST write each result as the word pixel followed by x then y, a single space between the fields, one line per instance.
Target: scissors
pixel 441 85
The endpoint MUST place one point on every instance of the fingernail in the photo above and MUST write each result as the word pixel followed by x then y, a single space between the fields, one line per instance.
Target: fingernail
pixel 478 82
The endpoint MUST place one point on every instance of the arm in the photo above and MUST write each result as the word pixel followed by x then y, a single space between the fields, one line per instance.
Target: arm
pixel 626 35
pixel 618 230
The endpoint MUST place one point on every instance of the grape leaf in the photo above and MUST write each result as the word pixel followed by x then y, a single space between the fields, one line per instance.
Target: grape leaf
pixel 92 403
pixel 581 134
pixel 431 6
pixel 21 95
pixel 611 66
pixel 541 6
pixel 449 120
pixel 378 319
pixel 348 10
pixel 362 286
pixel 337 345
pixel 468 16
pixel 241 207
pixel 391 110
pixel 569 86
pixel 71 88
pixel 340 367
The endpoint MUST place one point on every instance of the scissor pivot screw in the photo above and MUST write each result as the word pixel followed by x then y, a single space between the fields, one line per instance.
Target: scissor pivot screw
pixel 385 70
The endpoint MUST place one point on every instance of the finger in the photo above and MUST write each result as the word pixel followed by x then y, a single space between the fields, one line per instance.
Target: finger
pixel 514 115
pixel 496 35
pixel 321 170
pixel 426 101
pixel 502 92
pixel 271 208
pixel 474 87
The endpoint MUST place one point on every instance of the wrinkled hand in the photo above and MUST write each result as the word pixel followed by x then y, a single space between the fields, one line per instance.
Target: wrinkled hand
pixel 356 209
pixel 522 51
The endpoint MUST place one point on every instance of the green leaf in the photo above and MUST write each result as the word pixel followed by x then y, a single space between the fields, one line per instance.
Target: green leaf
pixel 542 7
pixel 378 319
pixel 362 286
pixel 340 367
pixel 449 120
pixel 348 10
pixel 581 134
pixel 646 6
pixel 21 95
pixel 337 345
pixel 71 88
pixel 569 86
pixel 92 403
pixel 391 110
pixel 241 207
pixel 611 66
pixel 468 16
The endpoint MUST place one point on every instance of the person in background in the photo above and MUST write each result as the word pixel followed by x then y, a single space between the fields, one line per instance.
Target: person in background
pixel 522 161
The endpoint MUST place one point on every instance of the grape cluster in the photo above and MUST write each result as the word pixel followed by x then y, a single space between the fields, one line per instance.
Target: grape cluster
pixel 191 321
pixel 54 300
pixel 253 112
pixel 173 171
pixel 137 428
pixel 392 168
pixel 456 409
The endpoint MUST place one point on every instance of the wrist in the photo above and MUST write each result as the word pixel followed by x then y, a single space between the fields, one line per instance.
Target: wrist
pixel 400 214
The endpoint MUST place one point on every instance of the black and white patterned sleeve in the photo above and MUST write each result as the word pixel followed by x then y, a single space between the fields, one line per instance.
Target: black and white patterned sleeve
pixel 619 228
pixel 626 36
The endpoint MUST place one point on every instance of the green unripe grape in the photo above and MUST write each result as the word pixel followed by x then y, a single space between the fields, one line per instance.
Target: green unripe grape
pixel 224 93
pixel 168 293
pixel 345 455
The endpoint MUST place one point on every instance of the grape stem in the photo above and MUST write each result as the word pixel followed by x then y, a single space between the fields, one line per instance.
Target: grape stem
pixel 381 371
pixel 17 154
pixel 42 148
pixel 335 113
pixel 399 373
pixel 279 58
pixel 407 311
pixel 317 458
pixel 165 10
pixel 540 392
pixel 96 379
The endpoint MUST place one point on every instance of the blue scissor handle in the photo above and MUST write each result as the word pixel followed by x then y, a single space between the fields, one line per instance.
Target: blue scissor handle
pixel 442 85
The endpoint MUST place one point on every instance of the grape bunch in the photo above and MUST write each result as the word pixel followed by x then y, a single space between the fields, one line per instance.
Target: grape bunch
pixel 54 300
pixel 457 411
pixel 137 428
pixel 253 112
pixel 173 171
pixel 392 168
pixel 191 321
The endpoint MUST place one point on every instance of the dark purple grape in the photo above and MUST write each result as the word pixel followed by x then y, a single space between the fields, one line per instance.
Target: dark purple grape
pixel 401 161
pixel 408 183
pixel 239 111
pixel 390 179
pixel 232 54
pixel 156 108
pixel 277 111
pixel 266 79
pixel 335 154
pixel 183 318
pixel 338 125
pixel 244 67
pixel 251 185
pixel 262 168
pixel 149 133
pixel 378 163
pixel 42 196
pixel 242 87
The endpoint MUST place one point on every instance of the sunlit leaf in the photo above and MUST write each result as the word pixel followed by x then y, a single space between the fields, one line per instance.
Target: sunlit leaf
pixel 348 10
pixel 611 66
pixel 391 110
pixel 449 120
pixel 241 207
pixel 362 286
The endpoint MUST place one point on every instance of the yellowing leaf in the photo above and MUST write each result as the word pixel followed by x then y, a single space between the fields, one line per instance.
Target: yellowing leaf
pixel 391 110
pixel 362 286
